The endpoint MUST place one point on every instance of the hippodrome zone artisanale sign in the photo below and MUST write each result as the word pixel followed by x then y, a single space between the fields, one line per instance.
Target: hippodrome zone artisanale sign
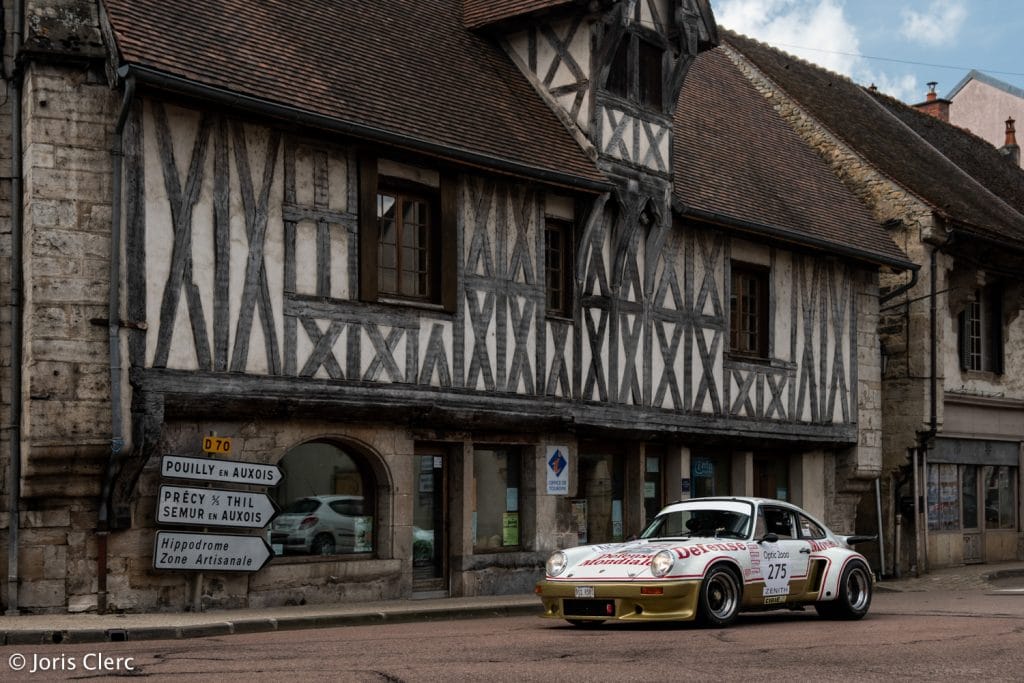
pixel 201 551
pixel 214 507
pixel 227 471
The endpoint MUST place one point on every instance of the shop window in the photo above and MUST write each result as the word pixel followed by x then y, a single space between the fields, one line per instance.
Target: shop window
pixel 980 332
pixel 407 229
pixel 558 266
pixel 1000 497
pixel 496 510
pixel 326 500
pixel 598 514
pixel 748 311
pixel 943 488
pixel 654 500
pixel 771 478
pixel 710 476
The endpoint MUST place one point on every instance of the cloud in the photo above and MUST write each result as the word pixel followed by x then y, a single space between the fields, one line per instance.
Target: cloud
pixel 818 31
pixel 937 25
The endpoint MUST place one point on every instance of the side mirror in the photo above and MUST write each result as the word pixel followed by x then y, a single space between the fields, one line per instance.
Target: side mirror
pixel 770 538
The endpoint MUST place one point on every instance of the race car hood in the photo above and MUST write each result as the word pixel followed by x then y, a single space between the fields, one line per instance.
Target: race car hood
pixel 632 560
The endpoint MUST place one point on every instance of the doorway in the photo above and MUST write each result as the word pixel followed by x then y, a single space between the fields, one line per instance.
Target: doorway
pixel 429 519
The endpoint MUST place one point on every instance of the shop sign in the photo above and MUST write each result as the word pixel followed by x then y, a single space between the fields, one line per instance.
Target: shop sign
pixel 226 471
pixel 557 459
pixel 214 507
pixel 210 552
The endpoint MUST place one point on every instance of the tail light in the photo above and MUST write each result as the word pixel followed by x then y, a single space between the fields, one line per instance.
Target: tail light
pixel 308 522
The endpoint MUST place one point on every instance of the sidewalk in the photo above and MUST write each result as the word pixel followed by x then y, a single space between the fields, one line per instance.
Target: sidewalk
pixel 39 629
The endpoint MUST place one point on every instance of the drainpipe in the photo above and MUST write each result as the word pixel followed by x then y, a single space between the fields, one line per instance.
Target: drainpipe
pixel 17 228
pixel 114 336
pixel 923 438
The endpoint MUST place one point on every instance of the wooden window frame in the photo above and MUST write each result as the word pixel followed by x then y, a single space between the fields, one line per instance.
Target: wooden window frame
pixel 442 265
pixel 980 332
pixel 760 275
pixel 562 274
pixel 637 71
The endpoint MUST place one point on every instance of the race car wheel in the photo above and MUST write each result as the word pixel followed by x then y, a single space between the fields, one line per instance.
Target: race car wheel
pixel 854 594
pixel 719 599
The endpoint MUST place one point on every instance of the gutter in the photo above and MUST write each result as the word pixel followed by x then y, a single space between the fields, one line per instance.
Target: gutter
pixel 211 94
pixel 114 339
pixel 792 237
pixel 17 238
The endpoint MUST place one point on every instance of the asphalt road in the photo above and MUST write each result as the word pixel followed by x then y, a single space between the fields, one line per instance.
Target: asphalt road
pixel 907 636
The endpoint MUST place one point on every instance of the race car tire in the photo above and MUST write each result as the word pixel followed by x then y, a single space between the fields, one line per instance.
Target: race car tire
pixel 719 600
pixel 853 596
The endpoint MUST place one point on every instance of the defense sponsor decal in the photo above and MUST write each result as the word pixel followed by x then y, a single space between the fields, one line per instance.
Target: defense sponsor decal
pixel 701 548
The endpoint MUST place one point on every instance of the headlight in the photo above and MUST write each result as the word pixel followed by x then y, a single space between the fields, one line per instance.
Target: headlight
pixel 556 563
pixel 662 563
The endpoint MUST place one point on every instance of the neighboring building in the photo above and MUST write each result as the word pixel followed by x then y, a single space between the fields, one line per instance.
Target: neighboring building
pixel 952 338
pixel 989 108
pixel 408 251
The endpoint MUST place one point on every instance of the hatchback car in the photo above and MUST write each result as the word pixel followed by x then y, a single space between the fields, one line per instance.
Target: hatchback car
pixel 707 559
pixel 318 525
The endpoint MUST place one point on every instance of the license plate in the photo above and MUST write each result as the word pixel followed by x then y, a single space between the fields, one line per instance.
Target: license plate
pixel 584 591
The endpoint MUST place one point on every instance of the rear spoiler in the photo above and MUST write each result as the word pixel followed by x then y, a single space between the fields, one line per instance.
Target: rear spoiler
pixel 858 538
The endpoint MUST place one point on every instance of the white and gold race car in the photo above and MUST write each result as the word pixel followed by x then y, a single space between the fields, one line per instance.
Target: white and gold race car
pixel 707 559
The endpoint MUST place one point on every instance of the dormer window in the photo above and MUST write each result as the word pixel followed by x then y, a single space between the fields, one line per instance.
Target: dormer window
pixel 636 72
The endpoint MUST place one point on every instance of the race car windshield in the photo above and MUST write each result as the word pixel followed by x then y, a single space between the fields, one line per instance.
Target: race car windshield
pixel 699 522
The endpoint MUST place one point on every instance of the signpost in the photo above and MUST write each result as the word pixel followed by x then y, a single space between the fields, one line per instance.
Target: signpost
pixel 217 552
pixel 199 551
pixel 226 471
pixel 214 507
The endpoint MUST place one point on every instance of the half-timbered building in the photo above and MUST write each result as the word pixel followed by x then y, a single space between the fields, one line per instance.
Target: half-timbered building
pixel 482 278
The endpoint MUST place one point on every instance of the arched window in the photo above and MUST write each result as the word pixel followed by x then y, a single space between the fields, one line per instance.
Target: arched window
pixel 327 502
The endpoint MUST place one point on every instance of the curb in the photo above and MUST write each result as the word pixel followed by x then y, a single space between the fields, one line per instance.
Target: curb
pixel 258 625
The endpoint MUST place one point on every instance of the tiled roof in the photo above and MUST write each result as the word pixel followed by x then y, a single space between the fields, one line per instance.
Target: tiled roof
pixel 409 70
pixel 478 13
pixel 738 163
pixel 956 176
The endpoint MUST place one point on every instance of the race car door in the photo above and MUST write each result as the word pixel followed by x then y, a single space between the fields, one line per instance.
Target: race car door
pixel 784 562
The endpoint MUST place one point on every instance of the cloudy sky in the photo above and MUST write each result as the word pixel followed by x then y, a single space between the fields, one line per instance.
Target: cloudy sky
pixel 899 45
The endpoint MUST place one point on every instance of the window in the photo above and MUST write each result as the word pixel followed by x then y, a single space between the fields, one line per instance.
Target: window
pixel 999 497
pixel 980 337
pixel 326 501
pixel 808 529
pixel 710 475
pixel 558 266
pixel 748 311
pixel 497 489
pixel 653 485
pixel 636 72
pixel 776 521
pixel 406 234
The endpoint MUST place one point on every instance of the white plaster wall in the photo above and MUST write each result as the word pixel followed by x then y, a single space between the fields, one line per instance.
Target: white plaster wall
pixel 983 110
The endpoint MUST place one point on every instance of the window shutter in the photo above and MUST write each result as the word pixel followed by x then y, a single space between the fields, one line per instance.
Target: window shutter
pixel 996 330
pixel 368 228
pixel 963 341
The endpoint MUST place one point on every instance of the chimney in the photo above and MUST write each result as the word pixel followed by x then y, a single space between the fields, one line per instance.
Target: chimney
pixel 934 105
pixel 1010 148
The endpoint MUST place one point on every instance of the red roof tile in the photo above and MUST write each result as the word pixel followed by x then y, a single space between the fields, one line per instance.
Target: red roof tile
pixel 478 13
pixel 738 163
pixel 408 69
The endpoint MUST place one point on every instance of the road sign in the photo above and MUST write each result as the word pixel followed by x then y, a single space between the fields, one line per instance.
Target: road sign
pixel 217 444
pixel 210 552
pixel 226 471
pixel 214 507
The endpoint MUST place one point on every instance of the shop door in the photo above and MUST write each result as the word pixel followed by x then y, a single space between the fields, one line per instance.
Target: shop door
pixel 429 546
pixel 969 497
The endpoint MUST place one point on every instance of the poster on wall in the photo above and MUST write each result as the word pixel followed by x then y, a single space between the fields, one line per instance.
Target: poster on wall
pixel 510 528
pixel 557 466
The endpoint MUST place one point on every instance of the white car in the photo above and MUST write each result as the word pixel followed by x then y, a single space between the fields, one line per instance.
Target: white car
pixel 707 559
pixel 318 525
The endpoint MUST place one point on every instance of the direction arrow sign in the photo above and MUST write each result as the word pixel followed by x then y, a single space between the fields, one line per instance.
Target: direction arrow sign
pixel 227 471
pixel 214 507
pixel 210 552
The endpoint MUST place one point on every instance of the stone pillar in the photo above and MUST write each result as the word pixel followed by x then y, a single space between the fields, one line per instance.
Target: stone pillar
pixel 806 482
pixel 743 473
pixel 677 468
